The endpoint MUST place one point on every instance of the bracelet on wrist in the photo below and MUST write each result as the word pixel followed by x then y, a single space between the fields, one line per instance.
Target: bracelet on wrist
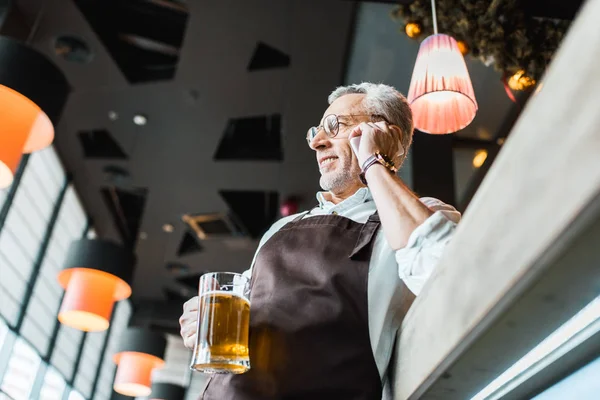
pixel 374 159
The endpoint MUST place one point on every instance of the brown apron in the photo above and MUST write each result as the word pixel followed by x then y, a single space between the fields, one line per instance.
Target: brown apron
pixel 309 333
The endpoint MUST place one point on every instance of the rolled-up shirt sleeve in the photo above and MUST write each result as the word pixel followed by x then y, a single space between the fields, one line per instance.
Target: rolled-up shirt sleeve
pixel 426 245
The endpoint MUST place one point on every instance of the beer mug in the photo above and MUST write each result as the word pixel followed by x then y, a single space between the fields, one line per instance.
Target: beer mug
pixel 223 324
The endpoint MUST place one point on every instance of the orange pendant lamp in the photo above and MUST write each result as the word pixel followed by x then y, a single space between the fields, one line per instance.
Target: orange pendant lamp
pixel 441 94
pixel 140 352
pixel 97 274
pixel 33 92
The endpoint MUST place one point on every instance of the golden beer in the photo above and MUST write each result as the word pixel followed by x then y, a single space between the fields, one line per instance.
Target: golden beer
pixel 222 336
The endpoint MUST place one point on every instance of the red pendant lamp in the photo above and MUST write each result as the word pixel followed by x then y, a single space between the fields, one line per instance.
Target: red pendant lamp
pixel 140 352
pixel 97 274
pixel 441 94
pixel 33 92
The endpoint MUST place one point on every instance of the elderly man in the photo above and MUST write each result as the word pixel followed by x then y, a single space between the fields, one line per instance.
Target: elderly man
pixel 329 287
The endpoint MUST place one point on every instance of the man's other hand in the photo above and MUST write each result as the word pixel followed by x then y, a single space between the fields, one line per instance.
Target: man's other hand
pixel 189 322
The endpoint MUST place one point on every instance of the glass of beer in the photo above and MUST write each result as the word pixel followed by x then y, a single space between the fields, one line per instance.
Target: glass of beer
pixel 223 324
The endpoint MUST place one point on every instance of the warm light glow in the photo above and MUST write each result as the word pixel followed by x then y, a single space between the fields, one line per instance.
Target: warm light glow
pixel 441 94
pixel 479 158
pixel 25 128
pixel 462 46
pixel 89 298
pixel 85 320
pixel 41 135
pixel 520 81
pixel 412 29
pixel 7 175
pixel 134 373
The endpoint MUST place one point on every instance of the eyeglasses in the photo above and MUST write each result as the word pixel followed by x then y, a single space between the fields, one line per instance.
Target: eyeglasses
pixel 331 125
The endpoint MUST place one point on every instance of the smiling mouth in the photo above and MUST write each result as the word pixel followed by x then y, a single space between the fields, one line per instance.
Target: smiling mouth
pixel 327 161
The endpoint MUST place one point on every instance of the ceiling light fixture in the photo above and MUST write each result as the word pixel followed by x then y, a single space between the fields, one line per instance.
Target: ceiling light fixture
pixel 140 352
pixel 140 119
pixel 441 94
pixel 479 158
pixel 33 92
pixel 97 274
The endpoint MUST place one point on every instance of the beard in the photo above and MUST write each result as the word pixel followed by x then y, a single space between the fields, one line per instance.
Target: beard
pixel 341 177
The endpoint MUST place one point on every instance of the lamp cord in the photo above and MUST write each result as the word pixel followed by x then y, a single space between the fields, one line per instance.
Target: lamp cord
pixel 435 29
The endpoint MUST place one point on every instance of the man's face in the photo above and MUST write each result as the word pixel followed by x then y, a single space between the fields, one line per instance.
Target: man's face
pixel 337 162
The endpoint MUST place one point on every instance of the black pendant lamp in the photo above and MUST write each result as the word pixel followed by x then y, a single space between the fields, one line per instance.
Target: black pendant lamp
pixel 166 391
pixel 97 273
pixel 33 92
pixel 140 351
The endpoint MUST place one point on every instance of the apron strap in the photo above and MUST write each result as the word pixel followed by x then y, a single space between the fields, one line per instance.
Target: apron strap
pixel 366 236
pixel 300 216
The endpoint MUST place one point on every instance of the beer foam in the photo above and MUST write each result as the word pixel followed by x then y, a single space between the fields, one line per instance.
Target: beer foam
pixel 224 293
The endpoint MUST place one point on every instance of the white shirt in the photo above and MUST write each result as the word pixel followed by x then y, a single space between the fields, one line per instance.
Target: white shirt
pixel 413 263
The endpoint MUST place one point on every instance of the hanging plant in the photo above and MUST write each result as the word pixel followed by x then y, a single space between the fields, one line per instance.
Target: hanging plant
pixel 499 33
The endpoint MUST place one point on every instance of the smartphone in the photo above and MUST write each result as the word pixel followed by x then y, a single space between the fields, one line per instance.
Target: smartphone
pixel 355 144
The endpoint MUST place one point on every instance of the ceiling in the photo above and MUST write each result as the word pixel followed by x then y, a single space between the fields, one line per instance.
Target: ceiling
pixel 226 89
pixel 240 66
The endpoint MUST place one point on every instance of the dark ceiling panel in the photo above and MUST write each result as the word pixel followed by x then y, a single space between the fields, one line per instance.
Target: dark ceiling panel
pixel 127 209
pixel 143 36
pixel 100 144
pixel 252 138
pixel 267 57
pixel 189 245
pixel 255 210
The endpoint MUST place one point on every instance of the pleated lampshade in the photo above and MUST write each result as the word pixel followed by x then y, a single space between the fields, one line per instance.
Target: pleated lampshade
pixel 166 391
pixel 33 92
pixel 97 273
pixel 140 352
pixel 441 93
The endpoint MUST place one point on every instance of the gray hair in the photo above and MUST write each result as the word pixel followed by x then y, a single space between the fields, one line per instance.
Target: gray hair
pixel 386 101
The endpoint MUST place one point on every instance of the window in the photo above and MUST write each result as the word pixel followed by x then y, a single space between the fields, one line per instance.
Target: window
pixel 23 372
pixel 54 385
pixel 25 226
pixel 22 368
pixel 90 360
pixel 3 331
pixel 65 353
pixel 74 395
pixel 119 324
pixel 581 385
pixel 573 332
pixel 47 293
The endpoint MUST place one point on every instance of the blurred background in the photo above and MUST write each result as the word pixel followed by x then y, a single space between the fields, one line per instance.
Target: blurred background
pixel 183 140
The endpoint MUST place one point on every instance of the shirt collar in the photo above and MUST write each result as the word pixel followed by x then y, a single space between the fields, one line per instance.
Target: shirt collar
pixel 362 195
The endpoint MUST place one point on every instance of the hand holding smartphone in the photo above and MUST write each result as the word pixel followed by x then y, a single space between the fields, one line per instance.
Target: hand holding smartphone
pixel 355 144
